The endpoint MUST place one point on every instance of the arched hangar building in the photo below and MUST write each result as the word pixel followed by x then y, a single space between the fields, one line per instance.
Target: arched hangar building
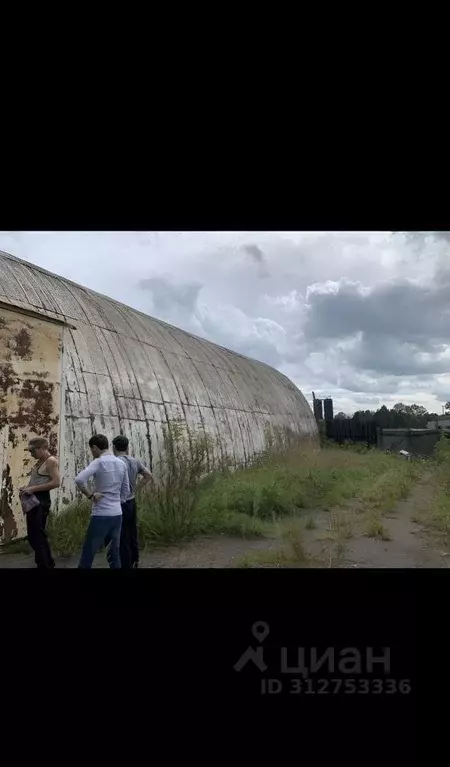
pixel 73 362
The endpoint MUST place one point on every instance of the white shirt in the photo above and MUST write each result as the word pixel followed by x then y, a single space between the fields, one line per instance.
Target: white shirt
pixel 111 480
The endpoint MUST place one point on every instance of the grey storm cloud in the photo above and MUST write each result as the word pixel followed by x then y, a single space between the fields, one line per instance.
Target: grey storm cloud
pixel 442 235
pixel 358 382
pixel 257 255
pixel 393 356
pixel 364 385
pixel 421 236
pixel 166 294
pixel 400 309
pixel 177 303
pixel 398 328
pixel 255 344
pixel 356 315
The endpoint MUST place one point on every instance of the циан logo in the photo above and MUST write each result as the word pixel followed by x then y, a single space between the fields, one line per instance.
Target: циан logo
pixel 260 631
pixel 343 669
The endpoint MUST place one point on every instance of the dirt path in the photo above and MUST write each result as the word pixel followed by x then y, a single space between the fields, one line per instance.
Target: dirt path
pixel 201 553
pixel 408 545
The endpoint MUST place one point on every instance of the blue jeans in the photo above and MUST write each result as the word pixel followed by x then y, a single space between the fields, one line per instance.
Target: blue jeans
pixel 102 531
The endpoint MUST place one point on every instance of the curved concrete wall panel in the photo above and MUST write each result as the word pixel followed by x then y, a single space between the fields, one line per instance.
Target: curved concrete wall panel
pixel 125 371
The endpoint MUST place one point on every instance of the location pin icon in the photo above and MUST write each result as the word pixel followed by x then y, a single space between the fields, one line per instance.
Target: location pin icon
pixel 260 630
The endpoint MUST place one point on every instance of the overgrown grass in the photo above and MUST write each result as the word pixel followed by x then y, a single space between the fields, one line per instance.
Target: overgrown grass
pixel 16 547
pixel 291 552
pixel 292 537
pixel 376 529
pixel 436 518
pixel 271 558
pixel 294 550
pixel 67 530
pixel 303 480
pixel 197 494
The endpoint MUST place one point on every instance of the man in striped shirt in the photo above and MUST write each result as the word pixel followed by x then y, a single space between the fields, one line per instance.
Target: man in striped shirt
pixel 129 545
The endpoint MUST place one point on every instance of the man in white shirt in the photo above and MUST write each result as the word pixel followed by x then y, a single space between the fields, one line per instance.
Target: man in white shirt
pixel 112 487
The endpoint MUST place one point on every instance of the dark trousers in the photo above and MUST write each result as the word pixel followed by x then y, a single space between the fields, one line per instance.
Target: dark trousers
pixel 129 547
pixel 37 537
pixel 102 531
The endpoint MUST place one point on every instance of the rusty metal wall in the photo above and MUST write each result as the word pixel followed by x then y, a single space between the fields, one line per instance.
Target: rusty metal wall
pixel 125 371
pixel 30 393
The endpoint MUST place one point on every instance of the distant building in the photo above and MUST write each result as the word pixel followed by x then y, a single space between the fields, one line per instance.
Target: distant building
pixel 318 410
pixel 328 409
pixel 441 422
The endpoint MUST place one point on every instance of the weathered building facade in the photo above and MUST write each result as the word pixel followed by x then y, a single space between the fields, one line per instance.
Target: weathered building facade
pixel 74 363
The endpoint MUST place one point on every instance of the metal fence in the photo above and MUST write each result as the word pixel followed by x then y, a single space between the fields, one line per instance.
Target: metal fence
pixel 349 430
pixel 421 442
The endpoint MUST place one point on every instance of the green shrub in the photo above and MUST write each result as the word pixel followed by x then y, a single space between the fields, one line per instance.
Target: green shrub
pixel 442 451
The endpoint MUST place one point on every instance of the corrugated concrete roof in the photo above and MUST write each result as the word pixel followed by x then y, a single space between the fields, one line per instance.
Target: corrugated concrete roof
pixel 124 370
pixel 31 287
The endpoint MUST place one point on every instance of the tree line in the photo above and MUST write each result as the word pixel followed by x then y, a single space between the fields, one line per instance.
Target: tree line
pixel 401 416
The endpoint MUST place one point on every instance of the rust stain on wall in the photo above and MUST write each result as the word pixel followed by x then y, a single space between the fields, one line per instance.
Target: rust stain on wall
pixel 36 374
pixel 8 525
pixel 6 377
pixel 36 405
pixel 23 345
pixel 53 442
pixel 29 405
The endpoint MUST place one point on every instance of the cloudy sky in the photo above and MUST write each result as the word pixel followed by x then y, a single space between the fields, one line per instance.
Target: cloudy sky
pixel 363 317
